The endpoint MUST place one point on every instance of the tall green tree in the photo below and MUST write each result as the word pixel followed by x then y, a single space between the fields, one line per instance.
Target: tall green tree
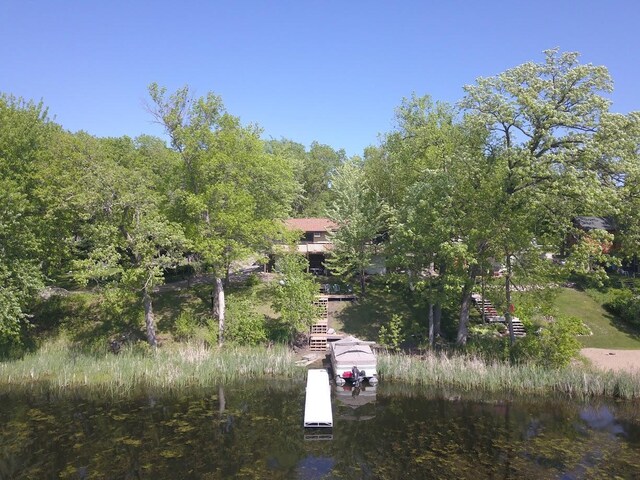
pixel 359 217
pixel 432 177
pixel 543 118
pixel 313 169
pixel 231 190
pixel 131 242
pixel 26 139
pixel 294 293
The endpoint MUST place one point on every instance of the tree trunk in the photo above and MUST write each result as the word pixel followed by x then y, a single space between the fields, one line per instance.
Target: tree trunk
pixel 149 320
pixel 363 284
pixel 437 309
pixel 431 326
pixel 465 307
pixel 219 307
pixel 484 291
pixel 227 275
pixel 437 317
pixel 507 291
pixel 463 326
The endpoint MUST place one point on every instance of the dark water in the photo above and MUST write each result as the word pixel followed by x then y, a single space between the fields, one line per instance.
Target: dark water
pixel 255 431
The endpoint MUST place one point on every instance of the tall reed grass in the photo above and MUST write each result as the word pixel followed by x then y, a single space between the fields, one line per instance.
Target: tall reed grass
pixel 57 367
pixel 466 373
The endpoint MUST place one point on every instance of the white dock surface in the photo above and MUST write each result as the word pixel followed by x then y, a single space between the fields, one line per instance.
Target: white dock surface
pixel 317 405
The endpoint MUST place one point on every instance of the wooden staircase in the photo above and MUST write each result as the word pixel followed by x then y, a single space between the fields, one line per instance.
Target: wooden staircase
pixel 318 331
pixel 491 315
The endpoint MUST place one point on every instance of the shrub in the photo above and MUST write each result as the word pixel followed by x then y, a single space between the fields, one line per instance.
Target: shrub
pixel 392 336
pixel 186 324
pixel 252 280
pixel 244 326
pixel 625 305
pixel 552 346
pixel 294 293
pixel 574 325
pixel 488 341
pixel 489 348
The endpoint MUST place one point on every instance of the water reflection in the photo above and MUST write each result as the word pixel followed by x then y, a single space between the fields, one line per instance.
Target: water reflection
pixel 254 430
pixel 601 418
pixel 351 400
pixel 311 468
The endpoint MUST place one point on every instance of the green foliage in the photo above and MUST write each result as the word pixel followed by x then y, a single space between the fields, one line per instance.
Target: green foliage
pixel 489 342
pixel 589 257
pixel 25 147
pixel 252 280
pixel 391 335
pixel 553 346
pixel 626 305
pixel 313 170
pixel 229 189
pixel 185 325
pixel 244 325
pixel 294 293
pixel 357 212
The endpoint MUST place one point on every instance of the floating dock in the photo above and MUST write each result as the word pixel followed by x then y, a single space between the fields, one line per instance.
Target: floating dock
pixel 317 405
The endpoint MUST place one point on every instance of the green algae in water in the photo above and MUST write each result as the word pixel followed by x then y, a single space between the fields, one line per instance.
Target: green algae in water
pixel 254 430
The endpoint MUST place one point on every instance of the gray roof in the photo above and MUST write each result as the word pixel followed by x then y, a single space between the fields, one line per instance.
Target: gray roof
pixel 591 223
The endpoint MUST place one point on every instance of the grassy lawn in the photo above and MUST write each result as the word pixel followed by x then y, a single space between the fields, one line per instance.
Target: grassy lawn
pixel 608 331
pixel 364 317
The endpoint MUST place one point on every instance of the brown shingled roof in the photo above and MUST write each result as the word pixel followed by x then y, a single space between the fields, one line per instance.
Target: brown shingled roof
pixel 310 224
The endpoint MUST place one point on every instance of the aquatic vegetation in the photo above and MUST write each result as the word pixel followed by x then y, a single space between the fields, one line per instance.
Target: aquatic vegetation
pixel 471 373
pixel 59 367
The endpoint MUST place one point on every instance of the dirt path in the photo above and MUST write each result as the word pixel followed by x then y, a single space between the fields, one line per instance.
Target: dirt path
pixel 616 360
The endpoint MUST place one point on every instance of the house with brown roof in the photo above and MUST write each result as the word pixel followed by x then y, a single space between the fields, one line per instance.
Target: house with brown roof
pixel 314 240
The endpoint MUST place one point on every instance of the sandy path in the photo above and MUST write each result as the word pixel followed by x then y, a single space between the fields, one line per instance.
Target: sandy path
pixel 617 360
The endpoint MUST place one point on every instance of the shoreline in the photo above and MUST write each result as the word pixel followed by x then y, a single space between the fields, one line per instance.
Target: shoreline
pixel 59 370
pixel 615 360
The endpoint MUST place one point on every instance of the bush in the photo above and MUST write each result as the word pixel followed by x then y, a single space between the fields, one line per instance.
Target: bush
pixel 186 325
pixel 552 346
pixel 252 280
pixel 244 326
pixel 392 336
pixel 574 325
pixel 489 348
pixel 625 305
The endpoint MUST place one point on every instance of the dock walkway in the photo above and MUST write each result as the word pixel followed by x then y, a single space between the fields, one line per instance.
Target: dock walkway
pixel 317 404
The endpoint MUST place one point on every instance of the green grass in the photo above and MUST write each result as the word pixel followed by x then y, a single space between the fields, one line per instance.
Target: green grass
pixel 466 373
pixel 608 331
pixel 57 367
pixel 364 317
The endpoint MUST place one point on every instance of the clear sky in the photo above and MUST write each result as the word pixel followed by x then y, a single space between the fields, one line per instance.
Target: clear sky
pixel 331 71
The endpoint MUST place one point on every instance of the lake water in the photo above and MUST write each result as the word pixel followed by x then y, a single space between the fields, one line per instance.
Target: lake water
pixel 255 431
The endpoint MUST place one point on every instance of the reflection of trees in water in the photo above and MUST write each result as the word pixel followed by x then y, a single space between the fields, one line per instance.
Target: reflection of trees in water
pixel 256 430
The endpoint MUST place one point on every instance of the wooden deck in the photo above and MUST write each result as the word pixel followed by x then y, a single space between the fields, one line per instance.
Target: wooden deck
pixel 320 342
pixel 347 296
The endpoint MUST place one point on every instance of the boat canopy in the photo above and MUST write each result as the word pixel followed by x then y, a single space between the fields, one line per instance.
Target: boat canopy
pixel 353 351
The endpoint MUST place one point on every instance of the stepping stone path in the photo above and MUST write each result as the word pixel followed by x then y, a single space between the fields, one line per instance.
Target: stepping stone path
pixel 491 314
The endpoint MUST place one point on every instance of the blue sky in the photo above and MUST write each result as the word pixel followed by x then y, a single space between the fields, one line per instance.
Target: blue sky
pixel 331 71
